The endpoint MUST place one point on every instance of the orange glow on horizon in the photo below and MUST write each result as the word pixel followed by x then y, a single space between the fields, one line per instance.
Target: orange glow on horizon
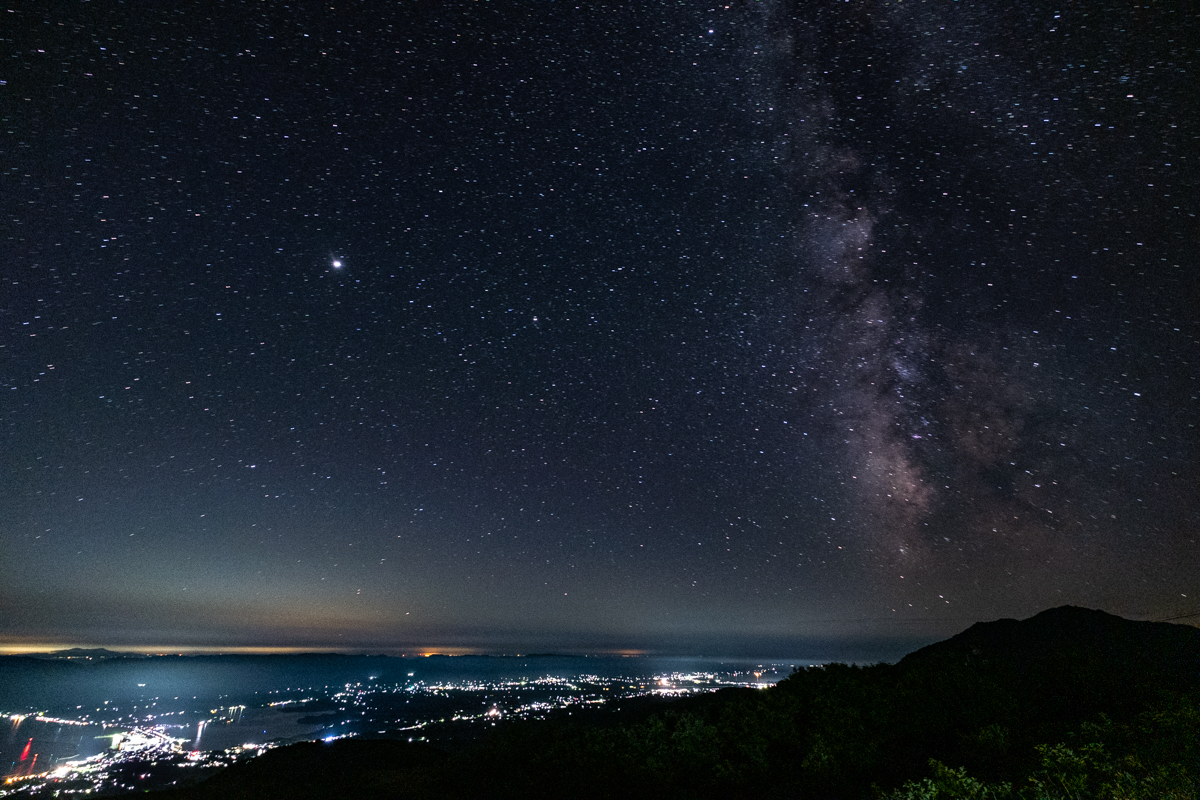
pixel 450 651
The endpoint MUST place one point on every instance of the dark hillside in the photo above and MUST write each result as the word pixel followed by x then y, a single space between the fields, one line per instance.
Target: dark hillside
pixel 348 769
pixel 987 697
pixel 1075 641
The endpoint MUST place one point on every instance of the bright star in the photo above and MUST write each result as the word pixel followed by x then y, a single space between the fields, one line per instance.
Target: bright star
pixel 337 265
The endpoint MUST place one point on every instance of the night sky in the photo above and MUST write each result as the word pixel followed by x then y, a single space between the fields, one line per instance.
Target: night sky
pixel 769 328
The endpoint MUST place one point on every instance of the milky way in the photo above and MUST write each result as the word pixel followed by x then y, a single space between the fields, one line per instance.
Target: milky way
pixel 949 162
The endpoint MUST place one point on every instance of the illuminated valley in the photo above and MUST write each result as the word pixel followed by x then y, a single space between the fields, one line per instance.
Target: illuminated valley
pixel 142 743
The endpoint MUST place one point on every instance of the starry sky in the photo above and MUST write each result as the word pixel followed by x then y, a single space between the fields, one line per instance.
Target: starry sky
pixel 773 327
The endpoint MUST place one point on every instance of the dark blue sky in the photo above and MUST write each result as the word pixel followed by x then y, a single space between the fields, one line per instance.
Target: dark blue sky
pixel 760 328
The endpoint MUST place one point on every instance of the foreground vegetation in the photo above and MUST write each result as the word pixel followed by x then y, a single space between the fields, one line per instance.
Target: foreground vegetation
pixel 1069 704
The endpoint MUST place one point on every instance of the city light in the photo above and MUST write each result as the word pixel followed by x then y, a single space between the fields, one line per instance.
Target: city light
pixel 167 743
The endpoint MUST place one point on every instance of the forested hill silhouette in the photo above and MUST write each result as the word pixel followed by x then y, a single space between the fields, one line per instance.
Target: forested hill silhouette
pixel 1070 661
pixel 1069 703
pixel 1069 638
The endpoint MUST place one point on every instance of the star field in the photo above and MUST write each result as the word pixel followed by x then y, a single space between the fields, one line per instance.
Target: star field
pixel 768 327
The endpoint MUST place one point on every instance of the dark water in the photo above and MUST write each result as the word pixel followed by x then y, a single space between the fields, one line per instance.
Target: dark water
pixel 30 745
pixel 253 726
